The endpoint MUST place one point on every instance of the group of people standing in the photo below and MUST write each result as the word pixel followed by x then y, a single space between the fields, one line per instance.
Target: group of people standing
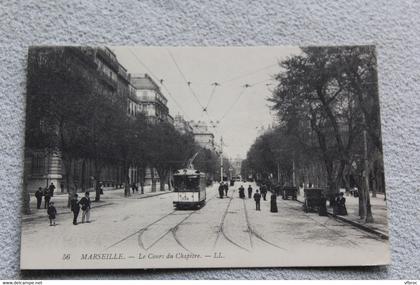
pixel 262 193
pixel 47 193
pixel 223 189
pixel 83 204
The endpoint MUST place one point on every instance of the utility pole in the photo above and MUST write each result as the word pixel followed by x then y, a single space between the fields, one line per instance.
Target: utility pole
pixel 221 159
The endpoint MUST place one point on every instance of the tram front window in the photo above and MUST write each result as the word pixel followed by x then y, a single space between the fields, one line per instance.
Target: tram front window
pixel 186 183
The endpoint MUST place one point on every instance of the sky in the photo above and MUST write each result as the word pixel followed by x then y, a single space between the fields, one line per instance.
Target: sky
pixel 241 111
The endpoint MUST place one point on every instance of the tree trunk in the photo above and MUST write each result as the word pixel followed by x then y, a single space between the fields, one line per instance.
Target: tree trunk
pixel 152 174
pixel 163 175
pixel 374 186
pixel 68 163
pixel 98 167
pixel 169 180
pixel 142 176
pixel 83 176
pixel 369 215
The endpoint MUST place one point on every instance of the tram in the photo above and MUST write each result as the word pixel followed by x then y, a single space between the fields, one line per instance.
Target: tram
pixel 189 187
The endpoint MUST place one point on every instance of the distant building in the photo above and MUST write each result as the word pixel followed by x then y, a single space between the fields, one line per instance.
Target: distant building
pixel 202 135
pixel 182 125
pixel 151 100
pixel 236 166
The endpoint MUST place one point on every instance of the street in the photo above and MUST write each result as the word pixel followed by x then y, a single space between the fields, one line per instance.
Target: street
pixel 223 229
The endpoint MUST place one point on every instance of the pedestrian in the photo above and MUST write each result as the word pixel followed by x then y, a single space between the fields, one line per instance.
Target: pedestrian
pixel 52 212
pixel 221 188
pixel 257 198
pixel 38 196
pixel 242 192
pixel 47 198
pixel 85 203
pixel 133 187
pixel 51 189
pixel 340 205
pixel 249 192
pixel 226 188
pixel 273 203
pixel 75 208
pixel 264 192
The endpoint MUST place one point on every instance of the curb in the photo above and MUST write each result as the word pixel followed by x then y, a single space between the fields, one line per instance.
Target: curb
pixel 29 219
pixel 157 194
pixel 360 226
pixel 356 224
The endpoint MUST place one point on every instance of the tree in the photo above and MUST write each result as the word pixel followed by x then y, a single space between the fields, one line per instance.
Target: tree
pixel 58 88
pixel 168 149
pixel 330 93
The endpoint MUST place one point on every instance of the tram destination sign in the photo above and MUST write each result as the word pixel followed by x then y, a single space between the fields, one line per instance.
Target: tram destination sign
pixel 203 157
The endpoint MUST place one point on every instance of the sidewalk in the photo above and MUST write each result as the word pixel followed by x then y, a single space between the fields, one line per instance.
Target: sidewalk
pixel 379 211
pixel 108 198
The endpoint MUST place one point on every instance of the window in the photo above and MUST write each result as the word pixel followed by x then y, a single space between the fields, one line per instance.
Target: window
pixel 38 163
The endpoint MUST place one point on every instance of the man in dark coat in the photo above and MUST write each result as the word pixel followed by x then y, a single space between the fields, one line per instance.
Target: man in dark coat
pixel 273 203
pixel 51 189
pixel 38 196
pixel 242 192
pixel 75 208
pixel 249 192
pixel 257 198
pixel 226 188
pixel 221 189
pixel 47 198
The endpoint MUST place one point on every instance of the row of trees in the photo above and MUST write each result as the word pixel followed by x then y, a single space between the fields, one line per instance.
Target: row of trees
pixel 78 112
pixel 329 131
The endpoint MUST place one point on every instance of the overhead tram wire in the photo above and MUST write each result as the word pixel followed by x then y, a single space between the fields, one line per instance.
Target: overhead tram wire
pixel 240 95
pixel 186 80
pixel 161 82
pixel 215 84
pixel 248 73
pixel 234 103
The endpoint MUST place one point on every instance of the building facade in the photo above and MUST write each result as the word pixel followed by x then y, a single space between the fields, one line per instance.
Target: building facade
pixel 152 102
pixel 182 125
pixel 202 135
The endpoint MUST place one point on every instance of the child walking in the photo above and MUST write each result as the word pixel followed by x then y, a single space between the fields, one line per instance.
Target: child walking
pixel 52 212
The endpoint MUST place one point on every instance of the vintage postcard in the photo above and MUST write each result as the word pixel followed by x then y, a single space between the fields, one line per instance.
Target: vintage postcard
pixel 164 157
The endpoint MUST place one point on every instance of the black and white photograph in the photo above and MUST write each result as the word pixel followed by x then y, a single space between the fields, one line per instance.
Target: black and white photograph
pixel 203 157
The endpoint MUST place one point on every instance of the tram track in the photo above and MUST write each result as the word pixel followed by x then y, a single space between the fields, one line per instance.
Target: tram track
pixel 143 229
pixel 253 233
pixel 172 230
pixel 221 230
